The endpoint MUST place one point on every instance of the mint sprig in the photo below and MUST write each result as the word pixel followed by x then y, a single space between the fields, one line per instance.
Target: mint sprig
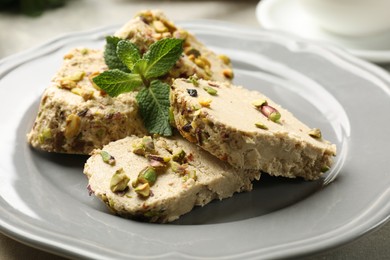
pixel 154 107
pixel 129 70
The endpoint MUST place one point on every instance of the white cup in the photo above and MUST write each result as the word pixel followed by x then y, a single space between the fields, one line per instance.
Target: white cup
pixel 350 17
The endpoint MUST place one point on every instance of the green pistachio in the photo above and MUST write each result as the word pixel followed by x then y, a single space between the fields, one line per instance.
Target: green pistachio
pixel 147 175
pixel 171 117
pixel 179 156
pixel 210 90
pixel 107 158
pixel 143 190
pixel 261 125
pixel 119 181
pixel 45 135
pixel 76 77
pixel 259 102
pixel 270 112
pixel 315 133
pixel 180 169
pixel 148 144
pixel 194 80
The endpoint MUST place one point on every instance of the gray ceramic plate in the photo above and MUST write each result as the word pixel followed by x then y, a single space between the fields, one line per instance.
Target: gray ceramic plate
pixel 44 201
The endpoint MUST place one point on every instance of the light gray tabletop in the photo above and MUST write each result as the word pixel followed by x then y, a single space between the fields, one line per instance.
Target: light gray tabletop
pixel 18 33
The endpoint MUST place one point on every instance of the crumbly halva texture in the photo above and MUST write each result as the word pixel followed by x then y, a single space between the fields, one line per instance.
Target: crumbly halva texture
pixel 76 117
pixel 243 128
pixel 159 180
pixel 149 26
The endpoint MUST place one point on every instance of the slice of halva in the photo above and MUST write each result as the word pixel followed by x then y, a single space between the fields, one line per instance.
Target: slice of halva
pixel 76 117
pixel 160 179
pixel 248 130
pixel 152 25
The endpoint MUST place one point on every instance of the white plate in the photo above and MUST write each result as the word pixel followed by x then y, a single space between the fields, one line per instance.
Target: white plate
pixel 44 201
pixel 289 16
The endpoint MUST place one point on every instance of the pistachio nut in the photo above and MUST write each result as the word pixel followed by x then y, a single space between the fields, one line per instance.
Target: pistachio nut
pixel 119 181
pixel 147 175
pixel 143 190
pixel 107 158
pixel 315 133
pixel 210 90
pixel 72 127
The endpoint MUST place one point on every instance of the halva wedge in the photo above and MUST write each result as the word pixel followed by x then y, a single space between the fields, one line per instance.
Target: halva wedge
pixel 75 117
pixel 160 179
pixel 248 130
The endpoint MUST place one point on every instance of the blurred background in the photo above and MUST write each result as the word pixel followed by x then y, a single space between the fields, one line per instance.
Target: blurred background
pixel 26 26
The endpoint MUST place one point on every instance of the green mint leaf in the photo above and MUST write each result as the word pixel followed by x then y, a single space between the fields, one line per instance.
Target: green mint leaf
pixel 140 66
pixel 115 82
pixel 110 56
pixel 128 53
pixel 161 56
pixel 154 106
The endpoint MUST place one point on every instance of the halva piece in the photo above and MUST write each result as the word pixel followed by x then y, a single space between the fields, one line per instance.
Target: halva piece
pixel 160 179
pixel 248 130
pixel 76 117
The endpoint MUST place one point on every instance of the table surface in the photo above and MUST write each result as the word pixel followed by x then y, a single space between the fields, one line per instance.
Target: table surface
pixel 77 15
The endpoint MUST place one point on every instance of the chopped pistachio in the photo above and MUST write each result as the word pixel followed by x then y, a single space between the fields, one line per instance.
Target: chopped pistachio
pixel 325 168
pixel 315 133
pixel 148 143
pixel 45 135
pixel 138 147
pixel 171 117
pixel 261 125
pixel 76 77
pixel 194 80
pixel 204 102
pixel 77 91
pixel 159 26
pixel 259 103
pixel 119 181
pixel 225 59
pixel 180 169
pixel 210 90
pixel 67 84
pixel 147 175
pixel 158 158
pixel 200 63
pixel 72 127
pixel 179 156
pixel 107 158
pixel 143 190
pixel 192 51
pixel 270 112
pixel 84 51
pixel 143 146
pixel 158 161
